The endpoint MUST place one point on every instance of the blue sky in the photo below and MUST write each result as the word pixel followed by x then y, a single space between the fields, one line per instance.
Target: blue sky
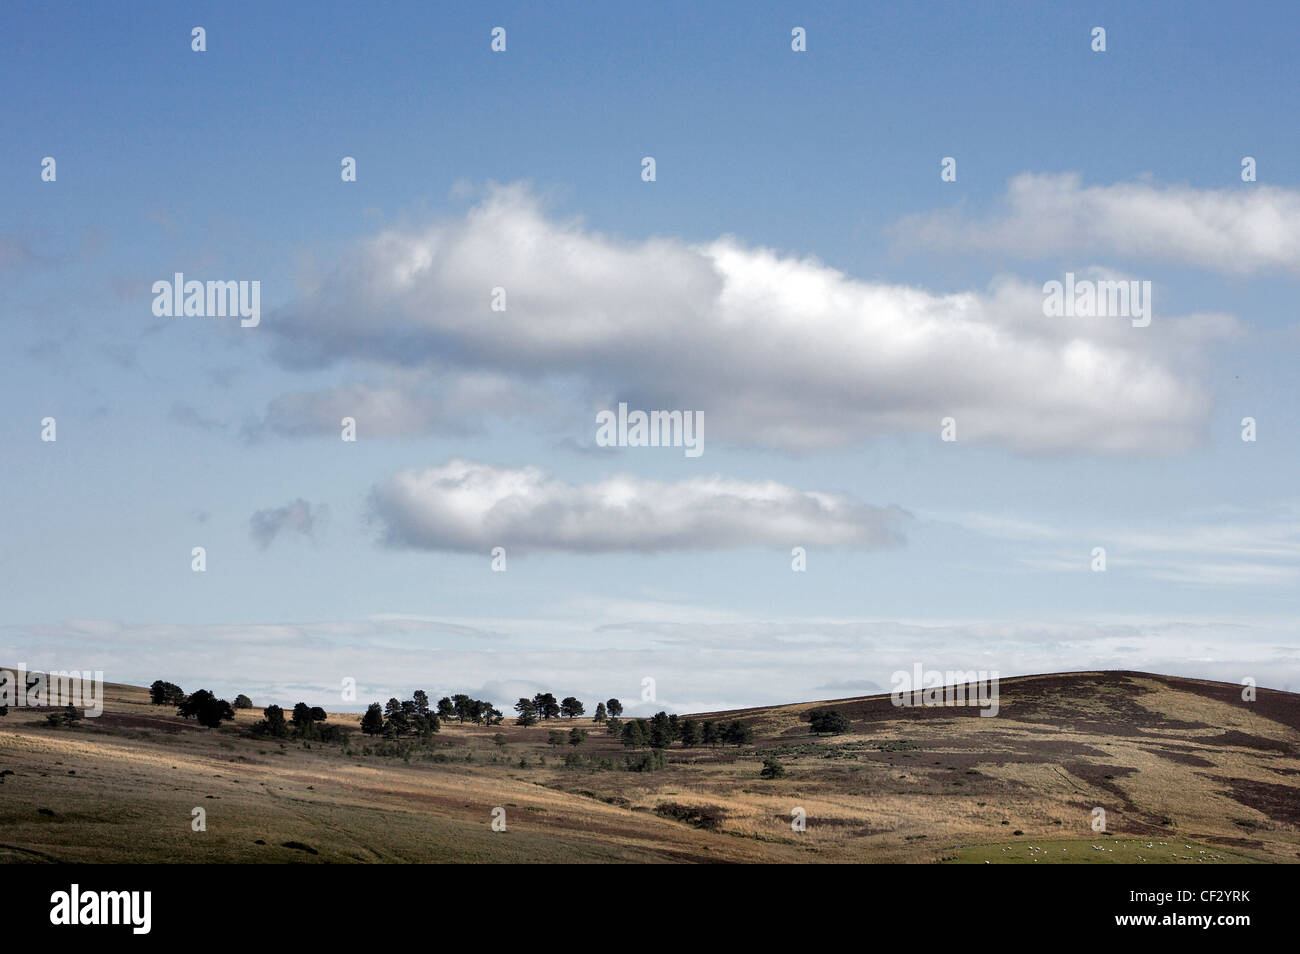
pixel 797 272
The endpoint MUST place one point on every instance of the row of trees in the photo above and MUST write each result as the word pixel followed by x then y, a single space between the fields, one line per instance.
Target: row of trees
pixel 305 722
pixel 203 705
pixel 544 706
pixel 162 693
pixel 396 719
pixel 662 730
pixel 414 716
pixel 464 709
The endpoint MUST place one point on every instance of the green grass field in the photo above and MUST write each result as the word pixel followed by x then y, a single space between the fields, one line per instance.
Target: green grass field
pixel 1103 851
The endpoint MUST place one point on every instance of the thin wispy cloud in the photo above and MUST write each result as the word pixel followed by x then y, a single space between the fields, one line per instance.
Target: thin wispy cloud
pixel 187 416
pixel 297 518
pixel 1246 546
pixel 407 404
pixel 1241 230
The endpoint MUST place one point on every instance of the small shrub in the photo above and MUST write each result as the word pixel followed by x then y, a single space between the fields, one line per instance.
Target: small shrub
pixel 828 721
pixel 652 760
pixel 708 817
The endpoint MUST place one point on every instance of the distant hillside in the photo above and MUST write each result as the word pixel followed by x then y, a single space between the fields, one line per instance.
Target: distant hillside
pixel 1183 769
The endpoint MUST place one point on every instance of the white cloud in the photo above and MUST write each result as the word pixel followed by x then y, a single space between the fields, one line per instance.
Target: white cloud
pixel 387 411
pixel 1243 229
pixel 776 350
pixel 473 507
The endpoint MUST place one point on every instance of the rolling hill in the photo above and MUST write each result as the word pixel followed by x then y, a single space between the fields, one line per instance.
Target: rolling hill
pixel 1185 771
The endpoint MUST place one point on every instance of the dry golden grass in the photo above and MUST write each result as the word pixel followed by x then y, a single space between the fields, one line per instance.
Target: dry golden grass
pixel 1173 760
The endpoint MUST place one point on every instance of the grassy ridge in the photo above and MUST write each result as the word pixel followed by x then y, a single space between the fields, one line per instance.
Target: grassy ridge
pixel 1182 762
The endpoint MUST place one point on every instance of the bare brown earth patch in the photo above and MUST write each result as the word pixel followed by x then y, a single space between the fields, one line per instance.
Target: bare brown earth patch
pixel 1247 741
pixel 1281 803
pixel 1179 755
